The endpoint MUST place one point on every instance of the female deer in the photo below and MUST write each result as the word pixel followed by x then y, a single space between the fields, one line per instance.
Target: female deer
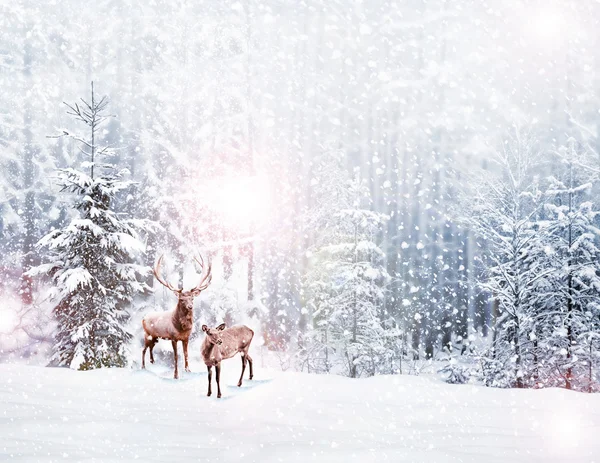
pixel 221 343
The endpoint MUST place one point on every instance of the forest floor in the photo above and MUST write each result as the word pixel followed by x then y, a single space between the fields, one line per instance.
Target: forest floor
pixel 50 414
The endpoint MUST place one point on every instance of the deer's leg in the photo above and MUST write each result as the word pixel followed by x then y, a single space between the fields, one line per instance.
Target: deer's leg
pixel 249 364
pixel 174 344
pixel 218 368
pixel 209 379
pixel 144 354
pixel 152 344
pixel 185 355
pixel 243 369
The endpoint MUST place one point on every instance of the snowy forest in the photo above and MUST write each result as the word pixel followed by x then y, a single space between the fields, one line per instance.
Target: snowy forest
pixel 380 186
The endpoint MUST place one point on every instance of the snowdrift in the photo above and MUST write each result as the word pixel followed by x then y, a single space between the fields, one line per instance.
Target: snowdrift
pixel 124 415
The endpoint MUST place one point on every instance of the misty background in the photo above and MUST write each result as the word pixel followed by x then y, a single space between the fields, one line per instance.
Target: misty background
pixel 225 114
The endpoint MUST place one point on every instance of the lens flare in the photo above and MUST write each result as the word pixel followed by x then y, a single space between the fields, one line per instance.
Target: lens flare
pixel 547 27
pixel 243 201
pixel 564 432
pixel 8 319
pixel 547 24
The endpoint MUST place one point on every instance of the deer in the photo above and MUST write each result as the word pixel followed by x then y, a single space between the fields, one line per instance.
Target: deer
pixel 177 324
pixel 221 343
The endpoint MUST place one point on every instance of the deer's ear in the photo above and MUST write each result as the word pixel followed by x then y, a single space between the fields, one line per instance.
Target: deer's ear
pixel 204 328
pixel 221 327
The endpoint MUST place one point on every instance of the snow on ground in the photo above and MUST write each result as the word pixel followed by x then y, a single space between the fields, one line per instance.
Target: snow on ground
pixel 51 414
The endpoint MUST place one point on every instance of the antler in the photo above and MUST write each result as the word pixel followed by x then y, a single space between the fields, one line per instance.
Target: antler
pixel 160 279
pixel 206 278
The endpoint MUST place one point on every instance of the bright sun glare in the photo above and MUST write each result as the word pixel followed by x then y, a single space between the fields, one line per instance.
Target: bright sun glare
pixel 547 26
pixel 244 200
pixel 564 432
pixel 8 319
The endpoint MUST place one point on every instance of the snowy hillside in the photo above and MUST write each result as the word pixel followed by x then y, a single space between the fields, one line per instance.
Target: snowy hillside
pixel 122 415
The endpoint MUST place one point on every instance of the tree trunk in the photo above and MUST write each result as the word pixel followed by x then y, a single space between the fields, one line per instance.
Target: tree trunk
pixel 355 310
pixel 570 263
pixel 28 172
pixel 250 135
pixel 518 360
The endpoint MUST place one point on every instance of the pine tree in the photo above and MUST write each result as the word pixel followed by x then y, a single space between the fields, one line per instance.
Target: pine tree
pixel 359 281
pixel 570 317
pixel 346 288
pixel 91 261
pixel 504 213
pixel 330 194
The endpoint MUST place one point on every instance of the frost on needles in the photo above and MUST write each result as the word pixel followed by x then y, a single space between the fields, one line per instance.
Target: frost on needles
pixel 92 260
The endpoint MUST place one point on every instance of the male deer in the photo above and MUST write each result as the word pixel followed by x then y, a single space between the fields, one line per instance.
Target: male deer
pixel 175 325
pixel 221 343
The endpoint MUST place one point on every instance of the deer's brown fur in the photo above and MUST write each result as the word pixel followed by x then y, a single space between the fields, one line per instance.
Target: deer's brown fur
pixel 222 343
pixel 175 325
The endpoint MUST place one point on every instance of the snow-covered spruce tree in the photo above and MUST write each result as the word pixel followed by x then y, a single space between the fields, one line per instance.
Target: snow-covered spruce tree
pixel 503 212
pixel 348 290
pixel 570 318
pixel 317 352
pixel 330 194
pixel 92 260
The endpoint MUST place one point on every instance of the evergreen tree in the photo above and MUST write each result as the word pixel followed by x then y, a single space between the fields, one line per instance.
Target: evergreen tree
pixel 346 289
pixel 504 213
pixel 91 261
pixel 330 194
pixel 570 317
